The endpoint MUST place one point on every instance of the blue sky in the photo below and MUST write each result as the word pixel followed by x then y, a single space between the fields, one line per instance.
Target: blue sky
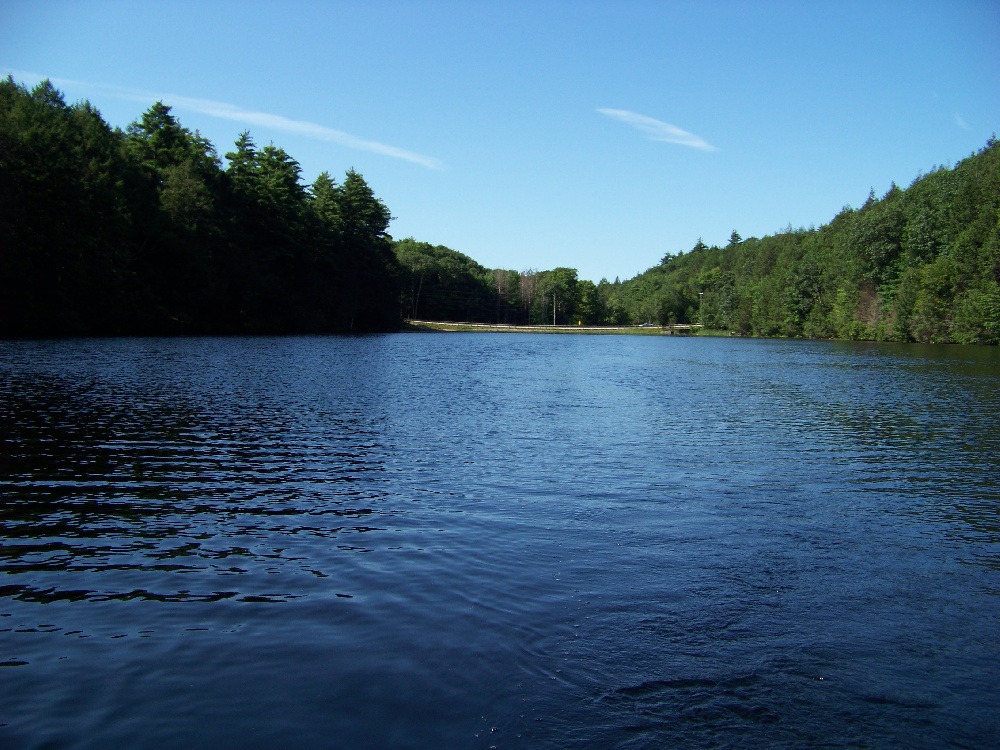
pixel 595 135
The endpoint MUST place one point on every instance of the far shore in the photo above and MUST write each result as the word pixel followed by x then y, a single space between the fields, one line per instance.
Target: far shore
pixel 680 329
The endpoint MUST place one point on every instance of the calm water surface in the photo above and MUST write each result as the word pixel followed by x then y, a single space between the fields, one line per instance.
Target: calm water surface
pixel 498 541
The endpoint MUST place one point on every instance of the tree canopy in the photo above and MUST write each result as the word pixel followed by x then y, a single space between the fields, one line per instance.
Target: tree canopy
pixel 146 230
pixel 917 264
pixel 920 264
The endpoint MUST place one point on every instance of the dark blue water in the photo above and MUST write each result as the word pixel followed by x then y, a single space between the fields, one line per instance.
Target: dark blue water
pixel 498 540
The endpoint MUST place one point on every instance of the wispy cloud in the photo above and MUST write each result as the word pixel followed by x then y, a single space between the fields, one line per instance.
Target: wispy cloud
pixel 961 123
pixel 298 127
pixel 248 117
pixel 657 130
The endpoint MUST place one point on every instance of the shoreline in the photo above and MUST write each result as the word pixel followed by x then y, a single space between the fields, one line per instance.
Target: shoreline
pixel 431 326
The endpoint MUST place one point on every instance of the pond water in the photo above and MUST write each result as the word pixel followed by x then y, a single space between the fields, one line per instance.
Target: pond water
pixel 498 540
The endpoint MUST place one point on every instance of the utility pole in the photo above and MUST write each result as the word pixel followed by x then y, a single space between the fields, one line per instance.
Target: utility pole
pixel 553 308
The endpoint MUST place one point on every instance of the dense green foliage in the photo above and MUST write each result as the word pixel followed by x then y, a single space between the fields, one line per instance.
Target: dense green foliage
pixel 143 231
pixel 441 284
pixel 444 285
pixel 921 264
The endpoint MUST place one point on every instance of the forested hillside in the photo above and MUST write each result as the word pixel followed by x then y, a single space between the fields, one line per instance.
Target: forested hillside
pixel 920 264
pixel 442 284
pixel 104 231
pixel 143 231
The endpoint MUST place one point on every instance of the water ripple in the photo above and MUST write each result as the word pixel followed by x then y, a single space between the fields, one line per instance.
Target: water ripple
pixel 498 540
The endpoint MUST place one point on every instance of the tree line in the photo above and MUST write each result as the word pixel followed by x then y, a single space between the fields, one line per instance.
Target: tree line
pixel 145 230
pixel 105 231
pixel 917 264
pixel 442 284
